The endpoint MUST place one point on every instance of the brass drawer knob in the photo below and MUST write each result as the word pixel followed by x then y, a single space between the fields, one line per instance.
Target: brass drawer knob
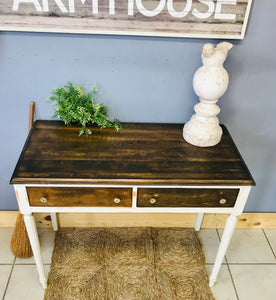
pixel 222 201
pixel 43 199
pixel 152 200
pixel 117 200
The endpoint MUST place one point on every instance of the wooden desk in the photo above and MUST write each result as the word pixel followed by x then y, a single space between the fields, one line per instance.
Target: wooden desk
pixel 145 168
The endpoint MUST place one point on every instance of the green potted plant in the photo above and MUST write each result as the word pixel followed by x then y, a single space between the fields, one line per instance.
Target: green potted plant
pixel 72 104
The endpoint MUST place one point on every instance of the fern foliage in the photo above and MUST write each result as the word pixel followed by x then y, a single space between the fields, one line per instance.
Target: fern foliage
pixel 72 104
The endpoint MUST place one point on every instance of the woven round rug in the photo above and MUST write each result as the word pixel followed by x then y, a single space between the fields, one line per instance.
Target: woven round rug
pixel 128 264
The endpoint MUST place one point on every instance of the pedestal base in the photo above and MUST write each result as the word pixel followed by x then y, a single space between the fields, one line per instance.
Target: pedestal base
pixel 202 133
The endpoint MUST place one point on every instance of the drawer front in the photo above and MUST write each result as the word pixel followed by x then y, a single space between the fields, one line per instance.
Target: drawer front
pixel 182 197
pixel 62 196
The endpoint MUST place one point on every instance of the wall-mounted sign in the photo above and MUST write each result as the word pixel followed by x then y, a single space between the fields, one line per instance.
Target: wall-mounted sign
pixel 178 18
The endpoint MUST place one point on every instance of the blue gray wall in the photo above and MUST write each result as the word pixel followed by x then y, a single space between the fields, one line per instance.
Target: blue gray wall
pixel 145 79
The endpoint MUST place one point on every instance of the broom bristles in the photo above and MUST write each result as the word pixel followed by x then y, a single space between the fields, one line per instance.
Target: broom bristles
pixel 20 244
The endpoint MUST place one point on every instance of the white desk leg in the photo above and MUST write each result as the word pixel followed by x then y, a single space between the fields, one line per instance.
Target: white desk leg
pixel 199 218
pixel 33 236
pixel 225 240
pixel 54 221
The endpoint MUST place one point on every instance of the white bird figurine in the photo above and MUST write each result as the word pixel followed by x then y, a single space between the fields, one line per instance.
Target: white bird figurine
pixel 210 83
pixel 215 57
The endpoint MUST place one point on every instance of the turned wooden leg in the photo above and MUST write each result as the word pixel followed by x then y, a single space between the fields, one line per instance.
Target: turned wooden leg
pixel 199 218
pixel 225 240
pixel 54 221
pixel 33 236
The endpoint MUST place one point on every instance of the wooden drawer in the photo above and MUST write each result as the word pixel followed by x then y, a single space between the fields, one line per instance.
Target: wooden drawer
pixel 182 197
pixel 79 196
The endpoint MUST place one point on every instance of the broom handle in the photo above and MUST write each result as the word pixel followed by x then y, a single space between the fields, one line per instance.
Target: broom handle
pixel 31 115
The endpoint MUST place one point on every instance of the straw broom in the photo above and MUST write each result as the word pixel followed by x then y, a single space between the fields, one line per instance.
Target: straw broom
pixel 20 244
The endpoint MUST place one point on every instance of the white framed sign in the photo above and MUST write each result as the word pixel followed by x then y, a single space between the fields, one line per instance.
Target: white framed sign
pixel 225 19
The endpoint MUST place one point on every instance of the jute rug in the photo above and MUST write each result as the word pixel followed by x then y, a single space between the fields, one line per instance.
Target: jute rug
pixel 127 264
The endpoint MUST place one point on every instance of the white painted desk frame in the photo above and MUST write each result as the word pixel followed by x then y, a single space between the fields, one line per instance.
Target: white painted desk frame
pixel 27 211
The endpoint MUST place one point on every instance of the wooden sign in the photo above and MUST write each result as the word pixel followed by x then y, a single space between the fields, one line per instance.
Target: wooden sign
pixel 176 18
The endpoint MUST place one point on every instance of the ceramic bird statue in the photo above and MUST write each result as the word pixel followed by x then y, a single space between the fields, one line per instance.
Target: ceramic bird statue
pixel 210 82
pixel 215 57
